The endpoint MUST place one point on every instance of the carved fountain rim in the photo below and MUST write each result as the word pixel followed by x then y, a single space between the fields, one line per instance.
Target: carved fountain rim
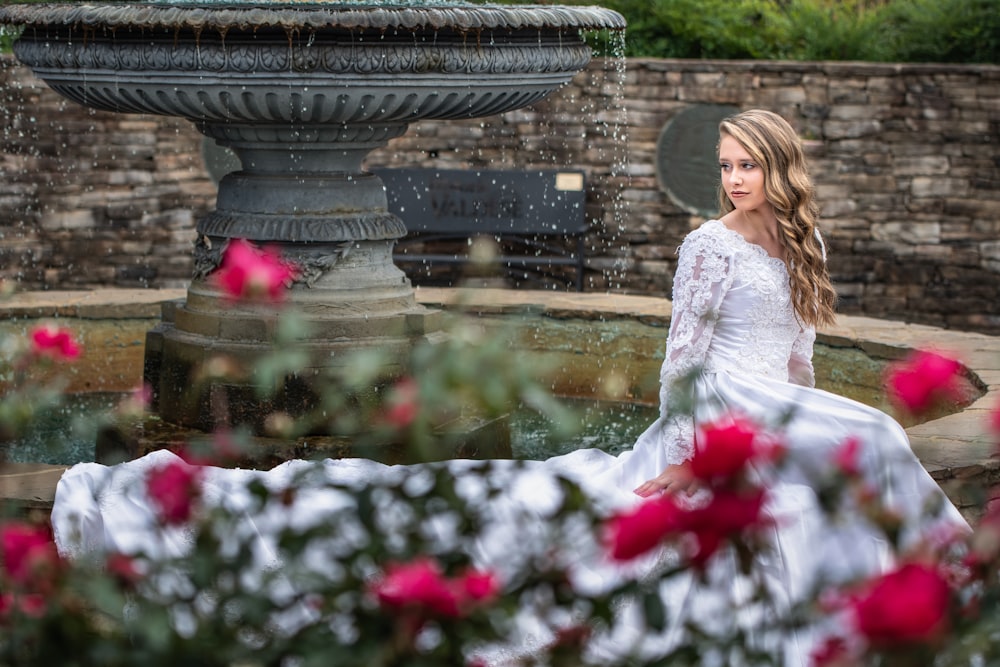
pixel 310 16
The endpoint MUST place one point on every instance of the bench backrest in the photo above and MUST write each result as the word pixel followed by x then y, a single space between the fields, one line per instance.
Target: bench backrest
pixel 453 201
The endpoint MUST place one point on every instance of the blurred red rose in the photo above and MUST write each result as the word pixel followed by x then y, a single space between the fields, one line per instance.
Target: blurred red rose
pixel 922 380
pixel 48 340
pixel 723 450
pixel 402 403
pixel 29 604
pixel 174 488
pixel 248 272
pixel 832 652
pixel 123 568
pixel 29 555
pixel 633 532
pixel 728 515
pixel 419 584
pixel 906 606
pixel 845 458
pixel 478 586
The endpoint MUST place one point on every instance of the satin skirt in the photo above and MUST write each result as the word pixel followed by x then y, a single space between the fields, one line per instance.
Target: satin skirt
pixel 102 509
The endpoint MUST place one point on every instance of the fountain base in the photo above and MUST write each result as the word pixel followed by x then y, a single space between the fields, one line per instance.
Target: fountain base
pixel 468 437
pixel 204 367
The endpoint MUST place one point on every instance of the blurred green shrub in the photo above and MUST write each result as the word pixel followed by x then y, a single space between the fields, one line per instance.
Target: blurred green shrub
pixel 950 31
pixel 954 31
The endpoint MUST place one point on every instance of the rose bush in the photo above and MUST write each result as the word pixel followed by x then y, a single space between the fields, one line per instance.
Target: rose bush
pixel 389 578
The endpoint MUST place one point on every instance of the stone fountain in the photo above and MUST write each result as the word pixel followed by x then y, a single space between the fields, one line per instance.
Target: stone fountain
pixel 301 91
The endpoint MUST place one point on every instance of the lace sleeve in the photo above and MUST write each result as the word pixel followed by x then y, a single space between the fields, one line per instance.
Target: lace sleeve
pixel 703 277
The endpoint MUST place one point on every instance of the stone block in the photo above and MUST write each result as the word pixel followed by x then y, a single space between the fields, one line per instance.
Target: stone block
pixel 924 186
pixel 835 207
pixel 990 253
pixel 78 219
pixel 925 165
pixel 851 112
pixel 834 129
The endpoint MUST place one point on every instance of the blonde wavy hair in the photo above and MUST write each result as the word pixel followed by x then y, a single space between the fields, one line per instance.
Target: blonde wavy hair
pixel 775 147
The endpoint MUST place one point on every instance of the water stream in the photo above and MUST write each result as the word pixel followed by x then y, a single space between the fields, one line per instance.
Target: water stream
pixel 67 435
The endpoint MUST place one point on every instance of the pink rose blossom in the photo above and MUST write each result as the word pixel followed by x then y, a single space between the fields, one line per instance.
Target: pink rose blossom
pixel 402 403
pixel 845 458
pixel 632 533
pixel 478 586
pixel 29 555
pixel 723 450
pixel 728 515
pixel 832 652
pixel 174 489
pixel 48 340
pixel 28 604
pixel 421 586
pixel 906 606
pixel 123 568
pixel 248 272
pixel 923 380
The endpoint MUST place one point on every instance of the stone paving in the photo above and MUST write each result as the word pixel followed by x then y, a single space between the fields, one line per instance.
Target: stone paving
pixel 957 449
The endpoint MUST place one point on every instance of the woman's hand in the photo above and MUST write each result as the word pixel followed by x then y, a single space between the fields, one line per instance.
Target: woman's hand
pixel 674 479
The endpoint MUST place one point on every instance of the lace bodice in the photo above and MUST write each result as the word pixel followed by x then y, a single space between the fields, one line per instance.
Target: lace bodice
pixel 732 313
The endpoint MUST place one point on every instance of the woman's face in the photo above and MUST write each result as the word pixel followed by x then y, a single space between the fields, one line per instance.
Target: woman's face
pixel 742 177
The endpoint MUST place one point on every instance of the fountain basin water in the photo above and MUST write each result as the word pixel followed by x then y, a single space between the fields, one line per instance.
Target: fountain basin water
pixel 605 347
pixel 301 92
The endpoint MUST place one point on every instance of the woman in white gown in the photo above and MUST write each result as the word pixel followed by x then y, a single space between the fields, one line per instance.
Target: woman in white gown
pixel 749 290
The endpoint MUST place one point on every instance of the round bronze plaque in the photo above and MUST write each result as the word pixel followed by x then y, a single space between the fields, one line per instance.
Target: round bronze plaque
pixel 687 164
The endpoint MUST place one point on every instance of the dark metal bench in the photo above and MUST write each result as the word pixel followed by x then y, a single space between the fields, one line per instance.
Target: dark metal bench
pixel 537 217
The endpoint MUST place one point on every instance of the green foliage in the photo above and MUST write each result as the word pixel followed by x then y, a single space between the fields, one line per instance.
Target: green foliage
pixel 698 28
pixel 828 30
pixel 7 36
pixel 957 31
pixel 953 31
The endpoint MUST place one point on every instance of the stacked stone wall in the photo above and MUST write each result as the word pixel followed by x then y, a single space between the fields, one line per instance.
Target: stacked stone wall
pixel 906 160
pixel 91 198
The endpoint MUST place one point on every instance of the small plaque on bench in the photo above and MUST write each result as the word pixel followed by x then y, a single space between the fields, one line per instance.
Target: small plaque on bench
pixel 538 213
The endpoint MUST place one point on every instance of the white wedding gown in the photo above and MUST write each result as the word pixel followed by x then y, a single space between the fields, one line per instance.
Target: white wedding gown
pixel 733 321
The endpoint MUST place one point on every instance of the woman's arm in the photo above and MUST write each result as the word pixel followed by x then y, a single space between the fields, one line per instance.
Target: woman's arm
pixel 674 479
pixel 704 275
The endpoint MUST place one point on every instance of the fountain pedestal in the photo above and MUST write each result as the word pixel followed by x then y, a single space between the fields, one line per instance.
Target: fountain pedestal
pixel 302 92
pixel 328 218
